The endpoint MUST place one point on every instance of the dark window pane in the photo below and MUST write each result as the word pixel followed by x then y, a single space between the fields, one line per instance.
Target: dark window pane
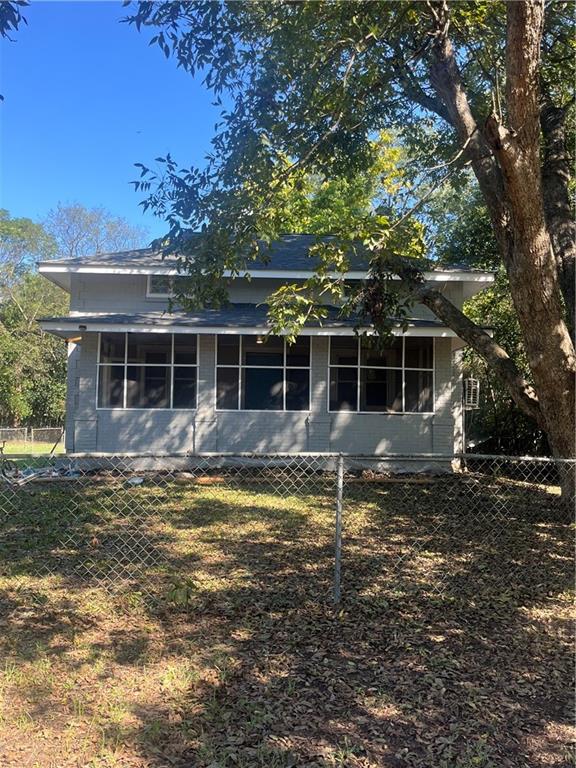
pixel 185 348
pixel 419 391
pixel 297 390
pixel 343 350
pixel 380 390
pixel 419 352
pixel 262 389
pixel 227 383
pixel 110 386
pixel 299 352
pixel 270 350
pixel 151 348
pixel 343 389
pixel 112 347
pixel 228 350
pixel 161 284
pixel 184 393
pixel 179 283
pixel 147 387
pixel 388 356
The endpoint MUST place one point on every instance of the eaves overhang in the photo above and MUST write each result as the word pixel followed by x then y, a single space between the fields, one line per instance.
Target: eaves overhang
pixel 233 320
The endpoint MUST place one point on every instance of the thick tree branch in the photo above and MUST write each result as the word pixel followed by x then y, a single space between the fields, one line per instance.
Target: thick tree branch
pixel 484 345
pixel 414 90
pixel 447 82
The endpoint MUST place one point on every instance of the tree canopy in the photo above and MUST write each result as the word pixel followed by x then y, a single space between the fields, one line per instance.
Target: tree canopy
pixel 22 243
pixel 78 231
pixel 32 362
pixel 477 87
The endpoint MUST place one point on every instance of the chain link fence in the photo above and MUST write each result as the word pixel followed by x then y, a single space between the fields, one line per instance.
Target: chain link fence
pixel 31 434
pixel 19 434
pixel 46 434
pixel 461 524
pixel 178 526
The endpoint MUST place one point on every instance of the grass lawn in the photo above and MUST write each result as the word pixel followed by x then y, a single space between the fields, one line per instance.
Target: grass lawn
pixel 19 446
pixel 451 648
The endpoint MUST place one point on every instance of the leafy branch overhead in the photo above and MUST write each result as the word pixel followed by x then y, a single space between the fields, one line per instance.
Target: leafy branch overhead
pixel 10 19
pixel 314 95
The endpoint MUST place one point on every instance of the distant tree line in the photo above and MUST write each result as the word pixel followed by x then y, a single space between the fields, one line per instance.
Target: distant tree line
pixel 32 362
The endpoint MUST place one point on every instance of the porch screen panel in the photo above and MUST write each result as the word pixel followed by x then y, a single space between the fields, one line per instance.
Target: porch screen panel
pixel 111 386
pixel 185 371
pixel 147 370
pixel 256 373
pixel 147 386
pixel 419 391
pixel 112 348
pixel 149 348
pixel 367 377
pixel 184 387
pixel 380 390
pixel 262 389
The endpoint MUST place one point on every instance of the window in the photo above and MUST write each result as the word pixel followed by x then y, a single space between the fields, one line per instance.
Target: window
pixel 367 378
pixel 162 286
pixel 147 370
pixel 262 374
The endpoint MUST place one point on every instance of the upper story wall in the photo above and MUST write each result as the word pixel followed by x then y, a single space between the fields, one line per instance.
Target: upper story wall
pixel 128 293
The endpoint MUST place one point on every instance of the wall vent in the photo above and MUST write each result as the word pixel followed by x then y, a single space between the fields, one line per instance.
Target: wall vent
pixel 471 394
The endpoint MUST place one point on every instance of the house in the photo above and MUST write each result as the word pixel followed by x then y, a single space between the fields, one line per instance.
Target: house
pixel 142 378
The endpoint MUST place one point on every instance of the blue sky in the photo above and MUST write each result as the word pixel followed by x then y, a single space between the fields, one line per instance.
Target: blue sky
pixel 85 98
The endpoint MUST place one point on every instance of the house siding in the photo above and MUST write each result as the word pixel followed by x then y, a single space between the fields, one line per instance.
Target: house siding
pixel 118 431
pixel 127 293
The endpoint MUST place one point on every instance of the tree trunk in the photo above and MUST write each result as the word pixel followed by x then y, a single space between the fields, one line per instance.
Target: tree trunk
pixel 556 173
pixel 532 268
pixel 512 189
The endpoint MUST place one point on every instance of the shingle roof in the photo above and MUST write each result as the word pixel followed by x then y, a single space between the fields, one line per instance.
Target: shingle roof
pixel 231 316
pixel 290 252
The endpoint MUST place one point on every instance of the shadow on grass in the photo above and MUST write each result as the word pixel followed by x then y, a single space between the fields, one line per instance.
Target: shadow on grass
pixel 451 647
pixel 108 532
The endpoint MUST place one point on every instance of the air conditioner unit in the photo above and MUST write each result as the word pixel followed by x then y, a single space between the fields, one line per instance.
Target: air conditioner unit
pixel 471 394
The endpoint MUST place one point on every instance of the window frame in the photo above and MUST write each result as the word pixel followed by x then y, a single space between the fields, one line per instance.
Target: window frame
pixel 403 368
pixel 240 366
pixel 150 294
pixel 125 365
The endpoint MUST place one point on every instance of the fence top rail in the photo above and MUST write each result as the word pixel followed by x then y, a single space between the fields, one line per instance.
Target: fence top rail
pixel 504 457
pixel 419 457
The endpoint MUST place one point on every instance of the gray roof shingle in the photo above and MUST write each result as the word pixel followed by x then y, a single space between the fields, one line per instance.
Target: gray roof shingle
pixel 290 252
pixel 230 316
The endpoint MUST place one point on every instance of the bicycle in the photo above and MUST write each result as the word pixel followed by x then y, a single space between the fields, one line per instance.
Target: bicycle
pixel 8 468
pixel 18 476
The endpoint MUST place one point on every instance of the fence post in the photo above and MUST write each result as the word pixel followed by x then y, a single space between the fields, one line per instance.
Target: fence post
pixel 338 528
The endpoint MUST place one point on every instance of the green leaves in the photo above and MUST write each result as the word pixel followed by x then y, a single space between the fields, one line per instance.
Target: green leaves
pixel 22 242
pixel 32 363
pixel 11 17
pixel 340 119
